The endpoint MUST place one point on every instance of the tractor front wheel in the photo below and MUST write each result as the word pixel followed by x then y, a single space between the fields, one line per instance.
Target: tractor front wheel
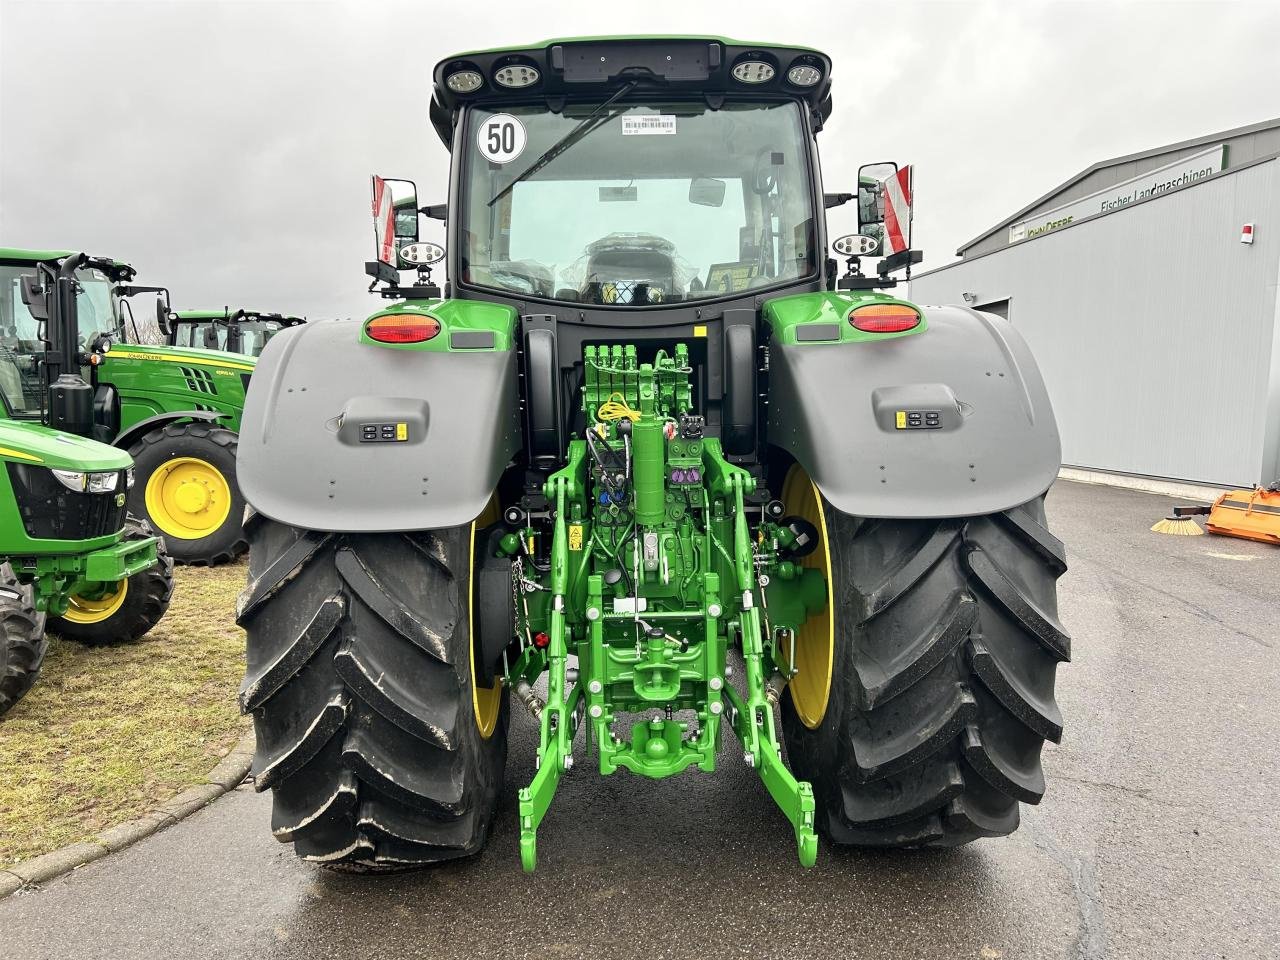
pixel 185 485
pixel 22 640
pixel 127 611
pixel 378 748
pixel 942 642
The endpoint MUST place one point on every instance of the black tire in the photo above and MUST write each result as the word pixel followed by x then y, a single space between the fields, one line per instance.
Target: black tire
pixel 145 603
pixel 946 646
pixel 359 681
pixel 22 640
pixel 217 447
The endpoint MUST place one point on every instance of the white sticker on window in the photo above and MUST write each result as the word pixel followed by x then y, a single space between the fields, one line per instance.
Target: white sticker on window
pixel 501 138
pixel 648 123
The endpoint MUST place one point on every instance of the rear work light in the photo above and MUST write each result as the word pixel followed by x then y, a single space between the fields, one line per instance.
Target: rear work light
pixel 884 318
pixel 399 328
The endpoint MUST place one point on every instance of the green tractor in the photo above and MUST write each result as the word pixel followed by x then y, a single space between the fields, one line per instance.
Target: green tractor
pixel 240 331
pixel 73 560
pixel 176 410
pixel 649 469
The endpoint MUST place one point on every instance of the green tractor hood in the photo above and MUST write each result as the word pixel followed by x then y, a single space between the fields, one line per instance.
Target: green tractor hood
pixel 25 442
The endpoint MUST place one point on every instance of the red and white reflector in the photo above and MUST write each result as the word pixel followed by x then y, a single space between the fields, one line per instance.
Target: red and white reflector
pixel 1246 233
pixel 897 210
pixel 384 224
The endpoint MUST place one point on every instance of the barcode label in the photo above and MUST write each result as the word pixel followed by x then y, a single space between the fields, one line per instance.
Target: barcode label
pixel 649 123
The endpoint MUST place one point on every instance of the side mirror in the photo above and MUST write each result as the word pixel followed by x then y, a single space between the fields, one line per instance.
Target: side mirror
pixel 33 297
pixel 706 192
pixel 871 179
pixel 395 215
pixel 211 337
pixel 885 213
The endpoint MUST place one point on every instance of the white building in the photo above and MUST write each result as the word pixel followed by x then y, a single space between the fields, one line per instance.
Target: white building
pixel 1147 287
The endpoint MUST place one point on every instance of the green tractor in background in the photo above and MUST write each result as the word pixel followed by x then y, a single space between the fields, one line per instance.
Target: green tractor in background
pixel 648 447
pixel 240 331
pixel 74 561
pixel 177 411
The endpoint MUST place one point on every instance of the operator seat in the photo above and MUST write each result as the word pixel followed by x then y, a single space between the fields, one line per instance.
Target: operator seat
pixel 630 269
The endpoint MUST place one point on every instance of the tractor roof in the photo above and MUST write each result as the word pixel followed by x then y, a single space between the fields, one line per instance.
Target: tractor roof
pixel 21 255
pixel 594 67
pixel 31 256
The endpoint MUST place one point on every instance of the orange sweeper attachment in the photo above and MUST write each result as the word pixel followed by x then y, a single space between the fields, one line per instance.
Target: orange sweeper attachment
pixel 1250 514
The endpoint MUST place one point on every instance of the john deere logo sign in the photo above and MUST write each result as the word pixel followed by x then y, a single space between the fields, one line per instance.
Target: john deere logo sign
pixel 1173 176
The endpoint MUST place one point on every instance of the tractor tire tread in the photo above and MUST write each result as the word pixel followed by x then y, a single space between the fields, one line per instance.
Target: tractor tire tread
pixel 22 638
pixel 942 693
pixel 358 679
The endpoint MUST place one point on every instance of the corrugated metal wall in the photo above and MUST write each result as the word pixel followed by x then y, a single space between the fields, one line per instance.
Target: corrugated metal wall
pixel 1157 330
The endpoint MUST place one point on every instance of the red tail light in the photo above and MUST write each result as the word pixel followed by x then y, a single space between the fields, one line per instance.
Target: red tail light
pixel 884 318
pixel 401 328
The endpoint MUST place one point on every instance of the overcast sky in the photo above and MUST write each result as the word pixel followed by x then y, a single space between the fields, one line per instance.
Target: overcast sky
pixel 224 147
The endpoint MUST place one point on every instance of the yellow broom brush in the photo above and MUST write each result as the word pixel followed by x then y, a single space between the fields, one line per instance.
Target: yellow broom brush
pixel 1181 522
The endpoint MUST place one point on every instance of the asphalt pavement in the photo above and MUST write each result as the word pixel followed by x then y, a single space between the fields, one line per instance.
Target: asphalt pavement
pixel 1159 836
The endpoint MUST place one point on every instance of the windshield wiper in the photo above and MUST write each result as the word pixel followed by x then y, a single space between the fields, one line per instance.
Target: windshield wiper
pixel 584 126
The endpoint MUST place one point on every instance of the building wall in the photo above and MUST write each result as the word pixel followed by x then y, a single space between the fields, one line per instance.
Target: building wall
pixel 1157 330
pixel 1243 148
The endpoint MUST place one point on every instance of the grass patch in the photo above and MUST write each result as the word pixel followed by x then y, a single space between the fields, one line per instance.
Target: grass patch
pixel 109 732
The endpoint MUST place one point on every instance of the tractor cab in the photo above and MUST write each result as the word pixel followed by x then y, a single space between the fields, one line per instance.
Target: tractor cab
pixel 244 332
pixel 56 325
pixel 669 186
pixel 74 355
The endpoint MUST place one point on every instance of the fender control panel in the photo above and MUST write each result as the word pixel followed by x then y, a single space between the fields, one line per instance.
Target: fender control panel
pixel 394 432
pixel 917 419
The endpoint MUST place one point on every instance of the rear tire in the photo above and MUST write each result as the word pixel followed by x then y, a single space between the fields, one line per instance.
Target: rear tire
pixel 946 646
pixel 359 681
pixel 145 602
pixel 214 446
pixel 22 640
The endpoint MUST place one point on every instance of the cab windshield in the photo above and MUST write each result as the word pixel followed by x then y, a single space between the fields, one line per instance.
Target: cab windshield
pixel 254 334
pixel 642 204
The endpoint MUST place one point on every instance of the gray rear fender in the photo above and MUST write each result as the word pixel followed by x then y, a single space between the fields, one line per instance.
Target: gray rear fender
pixel 303 459
pixel 835 408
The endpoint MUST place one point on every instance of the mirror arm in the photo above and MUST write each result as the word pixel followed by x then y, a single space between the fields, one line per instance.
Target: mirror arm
pixel 435 211
pixel 830 200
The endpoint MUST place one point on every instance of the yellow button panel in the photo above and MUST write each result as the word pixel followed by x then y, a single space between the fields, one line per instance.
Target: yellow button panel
pixel 384 432
pixel 917 419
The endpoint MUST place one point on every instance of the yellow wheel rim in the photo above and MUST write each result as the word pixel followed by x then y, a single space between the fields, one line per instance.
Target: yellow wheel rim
pixel 84 610
pixel 188 498
pixel 486 702
pixel 816 638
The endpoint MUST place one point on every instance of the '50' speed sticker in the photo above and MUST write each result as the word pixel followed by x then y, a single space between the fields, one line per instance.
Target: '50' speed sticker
pixel 501 138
